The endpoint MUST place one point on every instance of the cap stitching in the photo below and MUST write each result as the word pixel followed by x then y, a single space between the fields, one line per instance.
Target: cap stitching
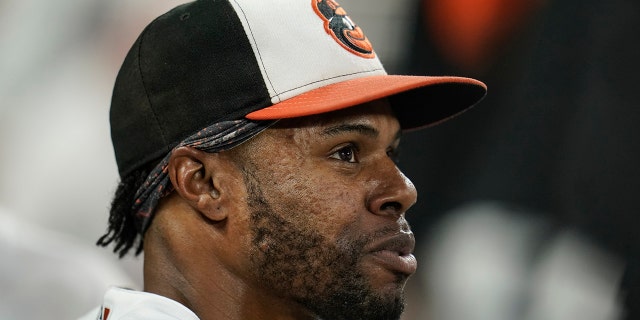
pixel 325 79
pixel 257 48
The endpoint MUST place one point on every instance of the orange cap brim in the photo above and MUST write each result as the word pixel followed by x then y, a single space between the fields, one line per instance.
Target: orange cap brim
pixel 443 96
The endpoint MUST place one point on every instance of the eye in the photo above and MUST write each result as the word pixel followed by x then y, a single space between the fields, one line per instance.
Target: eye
pixel 346 153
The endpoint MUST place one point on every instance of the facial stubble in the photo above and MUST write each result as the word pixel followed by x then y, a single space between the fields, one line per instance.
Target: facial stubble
pixel 298 262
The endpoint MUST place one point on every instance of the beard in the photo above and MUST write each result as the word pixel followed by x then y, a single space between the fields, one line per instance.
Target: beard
pixel 297 262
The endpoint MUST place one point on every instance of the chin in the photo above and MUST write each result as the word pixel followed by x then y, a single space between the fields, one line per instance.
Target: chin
pixel 384 281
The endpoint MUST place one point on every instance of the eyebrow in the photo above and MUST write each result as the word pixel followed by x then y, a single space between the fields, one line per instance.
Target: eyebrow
pixel 364 129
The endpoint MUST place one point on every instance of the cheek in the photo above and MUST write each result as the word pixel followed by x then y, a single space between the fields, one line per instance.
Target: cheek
pixel 317 199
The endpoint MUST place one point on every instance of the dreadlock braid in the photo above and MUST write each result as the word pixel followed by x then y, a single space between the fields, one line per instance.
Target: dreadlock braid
pixel 122 220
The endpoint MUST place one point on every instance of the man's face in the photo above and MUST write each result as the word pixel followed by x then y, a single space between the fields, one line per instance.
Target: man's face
pixel 327 204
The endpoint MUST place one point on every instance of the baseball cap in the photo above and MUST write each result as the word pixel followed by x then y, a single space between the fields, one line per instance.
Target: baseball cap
pixel 216 60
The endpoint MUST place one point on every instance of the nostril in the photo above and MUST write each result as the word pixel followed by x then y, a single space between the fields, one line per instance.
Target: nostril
pixel 392 207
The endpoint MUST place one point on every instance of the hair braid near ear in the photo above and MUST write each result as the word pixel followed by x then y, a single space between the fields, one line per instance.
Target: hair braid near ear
pixel 122 228
pixel 139 192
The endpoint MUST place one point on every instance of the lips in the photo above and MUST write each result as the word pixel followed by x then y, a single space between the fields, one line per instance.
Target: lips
pixel 395 253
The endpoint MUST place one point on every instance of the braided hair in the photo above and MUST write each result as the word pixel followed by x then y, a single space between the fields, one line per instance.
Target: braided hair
pixel 139 192
pixel 122 229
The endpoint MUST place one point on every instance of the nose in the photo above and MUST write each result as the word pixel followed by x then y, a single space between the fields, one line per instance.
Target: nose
pixel 393 192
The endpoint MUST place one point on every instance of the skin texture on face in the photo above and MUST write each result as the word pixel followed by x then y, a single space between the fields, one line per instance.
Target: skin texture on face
pixel 326 207
pixel 304 221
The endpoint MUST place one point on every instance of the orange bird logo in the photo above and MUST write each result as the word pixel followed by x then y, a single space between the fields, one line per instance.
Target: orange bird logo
pixel 342 29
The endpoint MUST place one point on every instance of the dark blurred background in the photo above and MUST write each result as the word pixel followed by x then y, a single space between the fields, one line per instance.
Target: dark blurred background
pixel 555 143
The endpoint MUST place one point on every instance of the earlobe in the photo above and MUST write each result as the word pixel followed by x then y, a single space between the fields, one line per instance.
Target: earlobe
pixel 194 175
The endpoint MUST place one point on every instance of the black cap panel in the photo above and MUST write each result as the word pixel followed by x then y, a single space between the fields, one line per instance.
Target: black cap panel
pixel 184 73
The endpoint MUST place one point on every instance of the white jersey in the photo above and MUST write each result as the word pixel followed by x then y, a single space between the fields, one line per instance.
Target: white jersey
pixel 124 304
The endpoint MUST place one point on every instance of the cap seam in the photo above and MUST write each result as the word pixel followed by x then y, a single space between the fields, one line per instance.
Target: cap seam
pixel 277 93
pixel 259 58
pixel 325 79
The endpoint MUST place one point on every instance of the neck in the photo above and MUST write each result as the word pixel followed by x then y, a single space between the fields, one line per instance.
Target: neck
pixel 192 274
pixel 221 297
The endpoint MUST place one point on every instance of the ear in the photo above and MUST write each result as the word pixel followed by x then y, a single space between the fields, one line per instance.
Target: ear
pixel 197 176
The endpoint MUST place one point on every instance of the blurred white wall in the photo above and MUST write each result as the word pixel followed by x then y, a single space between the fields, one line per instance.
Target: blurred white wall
pixel 57 170
pixel 490 261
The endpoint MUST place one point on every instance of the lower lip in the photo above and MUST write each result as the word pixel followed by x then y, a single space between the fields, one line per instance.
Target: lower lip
pixel 391 260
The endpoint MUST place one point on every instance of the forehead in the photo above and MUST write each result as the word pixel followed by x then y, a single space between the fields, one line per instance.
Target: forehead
pixel 374 120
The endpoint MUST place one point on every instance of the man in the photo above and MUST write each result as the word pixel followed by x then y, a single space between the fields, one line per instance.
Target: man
pixel 255 141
